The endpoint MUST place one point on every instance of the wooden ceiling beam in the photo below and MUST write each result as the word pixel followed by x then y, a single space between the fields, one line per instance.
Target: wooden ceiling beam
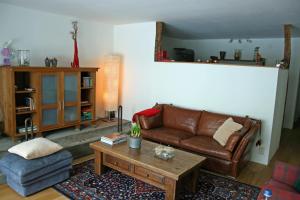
pixel 158 39
pixel 287 44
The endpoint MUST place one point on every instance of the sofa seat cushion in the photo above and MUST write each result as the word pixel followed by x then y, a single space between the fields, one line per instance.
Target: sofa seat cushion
pixel 206 146
pixel 166 135
pixel 181 119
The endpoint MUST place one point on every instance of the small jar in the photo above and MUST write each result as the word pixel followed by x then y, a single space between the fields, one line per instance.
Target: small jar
pixel 23 57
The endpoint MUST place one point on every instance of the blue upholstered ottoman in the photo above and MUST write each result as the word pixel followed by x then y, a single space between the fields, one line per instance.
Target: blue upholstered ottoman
pixel 30 176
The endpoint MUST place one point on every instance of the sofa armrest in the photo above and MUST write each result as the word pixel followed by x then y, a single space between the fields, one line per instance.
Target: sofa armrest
pixel 285 173
pixel 150 122
pixel 247 138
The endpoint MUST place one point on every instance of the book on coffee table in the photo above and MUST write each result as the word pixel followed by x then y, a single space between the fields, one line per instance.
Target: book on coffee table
pixel 114 138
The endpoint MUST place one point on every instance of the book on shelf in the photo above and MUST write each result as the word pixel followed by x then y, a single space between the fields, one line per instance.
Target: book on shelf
pixel 29 102
pixel 84 102
pixel 23 129
pixel 87 82
pixel 29 89
pixel 22 108
pixel 114 138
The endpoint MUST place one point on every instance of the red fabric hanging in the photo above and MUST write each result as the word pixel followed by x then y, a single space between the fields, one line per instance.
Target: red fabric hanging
pixel 147 113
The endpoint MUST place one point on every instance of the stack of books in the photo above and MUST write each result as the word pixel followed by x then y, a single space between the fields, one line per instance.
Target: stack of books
pixel 22 109
pixel 23 129
pixel 113 138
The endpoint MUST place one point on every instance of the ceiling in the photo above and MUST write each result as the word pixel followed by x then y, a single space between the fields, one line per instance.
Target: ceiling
pixel 190 19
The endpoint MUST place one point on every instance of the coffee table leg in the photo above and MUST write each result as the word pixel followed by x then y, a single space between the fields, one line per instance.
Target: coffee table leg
pixel 98 162
pixel 195 179
pixel 170 189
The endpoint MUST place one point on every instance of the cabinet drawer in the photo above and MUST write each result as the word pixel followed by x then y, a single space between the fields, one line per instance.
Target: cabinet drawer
pixel 117 162
pixel 149 174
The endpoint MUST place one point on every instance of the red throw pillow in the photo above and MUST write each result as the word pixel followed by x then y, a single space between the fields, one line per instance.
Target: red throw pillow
pixel 147 113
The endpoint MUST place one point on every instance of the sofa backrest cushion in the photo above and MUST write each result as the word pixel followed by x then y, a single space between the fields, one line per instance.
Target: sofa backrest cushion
pixel 180 118
pixel 235 138
pixel 226 130
pixel 210 122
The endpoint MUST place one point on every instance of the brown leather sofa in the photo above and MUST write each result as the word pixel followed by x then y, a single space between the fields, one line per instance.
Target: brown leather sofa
pixel 193 130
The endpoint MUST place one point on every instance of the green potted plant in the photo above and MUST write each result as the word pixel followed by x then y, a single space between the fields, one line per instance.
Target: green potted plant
pixel 135 139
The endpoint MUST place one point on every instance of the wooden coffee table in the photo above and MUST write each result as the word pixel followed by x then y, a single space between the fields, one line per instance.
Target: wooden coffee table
pixel 143 165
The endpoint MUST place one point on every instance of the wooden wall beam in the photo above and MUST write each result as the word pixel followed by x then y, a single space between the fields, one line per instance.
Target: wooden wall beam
pixel 287 44
pixel 158 39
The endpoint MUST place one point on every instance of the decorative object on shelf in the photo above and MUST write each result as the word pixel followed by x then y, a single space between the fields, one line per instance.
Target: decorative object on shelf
pixel 164 152
pixel 111 70
pixel 134 140
pixel 50 62
pixel 47 62
pixel 7 53
pixel 257 55
pixel 237 54
pixel 75 63
pixel 162 55
pixel 23 57
pixel 214 59
pixel 222 55
pixel 53 62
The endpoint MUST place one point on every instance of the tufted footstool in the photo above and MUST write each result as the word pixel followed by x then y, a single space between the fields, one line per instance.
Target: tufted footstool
pixel 30 176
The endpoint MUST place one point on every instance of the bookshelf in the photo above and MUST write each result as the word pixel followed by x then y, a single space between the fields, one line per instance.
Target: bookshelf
pixel 52 98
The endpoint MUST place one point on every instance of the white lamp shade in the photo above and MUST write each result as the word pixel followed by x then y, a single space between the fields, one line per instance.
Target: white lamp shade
pixel 111 71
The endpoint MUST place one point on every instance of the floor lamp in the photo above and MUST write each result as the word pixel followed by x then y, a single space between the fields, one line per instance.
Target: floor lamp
pixel 111 85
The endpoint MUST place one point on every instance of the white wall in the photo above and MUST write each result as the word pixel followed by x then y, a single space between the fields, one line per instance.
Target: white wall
pixel 46 34
pixel 294 72
pixel 225 89
pixel 270 48
pixel 278 111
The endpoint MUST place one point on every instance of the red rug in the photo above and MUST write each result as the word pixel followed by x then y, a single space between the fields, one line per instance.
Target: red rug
pixel 113 185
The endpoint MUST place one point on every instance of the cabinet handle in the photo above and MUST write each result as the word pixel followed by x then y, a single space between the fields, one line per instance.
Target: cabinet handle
pixel 59 105
pixel 63 105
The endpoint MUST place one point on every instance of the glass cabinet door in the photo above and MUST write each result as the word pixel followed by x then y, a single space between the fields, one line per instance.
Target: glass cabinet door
pixel 49 100
pixel 71 97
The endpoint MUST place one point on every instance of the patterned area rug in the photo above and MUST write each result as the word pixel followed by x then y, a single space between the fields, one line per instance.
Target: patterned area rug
pixel 112 185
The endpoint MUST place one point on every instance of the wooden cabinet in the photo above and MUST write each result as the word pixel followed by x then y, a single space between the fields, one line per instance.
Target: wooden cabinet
pixel 52 97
